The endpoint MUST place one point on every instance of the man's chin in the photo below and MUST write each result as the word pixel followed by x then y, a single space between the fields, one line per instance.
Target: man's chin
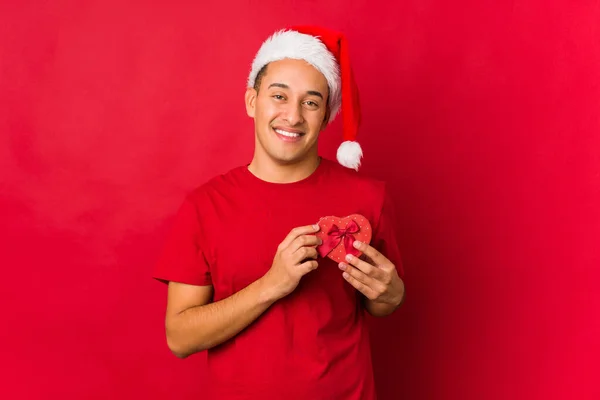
pixel 289 159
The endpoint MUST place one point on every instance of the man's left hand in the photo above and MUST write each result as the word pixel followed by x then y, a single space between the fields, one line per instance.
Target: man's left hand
pixel 375 277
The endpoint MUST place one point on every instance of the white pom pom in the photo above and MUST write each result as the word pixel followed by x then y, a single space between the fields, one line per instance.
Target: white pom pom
pixel 349 154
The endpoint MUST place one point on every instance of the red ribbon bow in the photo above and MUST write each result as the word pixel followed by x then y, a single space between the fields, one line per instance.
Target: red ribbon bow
pixel 335 236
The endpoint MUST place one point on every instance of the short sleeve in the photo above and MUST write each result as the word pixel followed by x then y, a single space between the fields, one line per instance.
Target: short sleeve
pixel 385 235
pixel 182 259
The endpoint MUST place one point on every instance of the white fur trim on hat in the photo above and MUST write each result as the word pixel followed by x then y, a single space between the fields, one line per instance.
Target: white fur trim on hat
pixel 299 46
pixel 349 154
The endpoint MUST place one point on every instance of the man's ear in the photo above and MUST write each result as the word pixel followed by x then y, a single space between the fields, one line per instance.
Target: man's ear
pixel 250 98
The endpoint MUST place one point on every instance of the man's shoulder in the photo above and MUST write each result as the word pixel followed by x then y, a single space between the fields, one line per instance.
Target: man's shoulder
pixel 219 183
pixel 358 181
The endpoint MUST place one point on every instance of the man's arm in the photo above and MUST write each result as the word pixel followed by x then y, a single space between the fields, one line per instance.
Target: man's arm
pixel 194 323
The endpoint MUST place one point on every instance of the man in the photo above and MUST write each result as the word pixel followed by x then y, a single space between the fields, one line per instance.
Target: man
pixel 246 280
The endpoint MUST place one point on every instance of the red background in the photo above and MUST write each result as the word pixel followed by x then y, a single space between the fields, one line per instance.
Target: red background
pixel 482 115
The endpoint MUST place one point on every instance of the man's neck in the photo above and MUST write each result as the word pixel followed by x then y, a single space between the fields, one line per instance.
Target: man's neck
pixel 271 171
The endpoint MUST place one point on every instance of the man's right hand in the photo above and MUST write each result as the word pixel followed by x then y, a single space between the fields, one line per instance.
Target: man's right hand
pixel 296 256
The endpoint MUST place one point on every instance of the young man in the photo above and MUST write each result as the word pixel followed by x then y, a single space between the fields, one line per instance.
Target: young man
pixel 245 278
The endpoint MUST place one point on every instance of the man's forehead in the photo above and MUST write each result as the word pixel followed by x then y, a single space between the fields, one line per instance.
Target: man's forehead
pixel 290 71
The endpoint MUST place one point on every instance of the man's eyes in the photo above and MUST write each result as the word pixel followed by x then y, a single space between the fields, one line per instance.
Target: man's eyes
pixel 309 103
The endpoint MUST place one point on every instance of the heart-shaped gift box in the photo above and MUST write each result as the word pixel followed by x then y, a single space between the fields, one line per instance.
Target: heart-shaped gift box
pixel 339 233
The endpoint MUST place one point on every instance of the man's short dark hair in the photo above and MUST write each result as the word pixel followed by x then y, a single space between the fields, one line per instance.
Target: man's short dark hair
pixel 259 76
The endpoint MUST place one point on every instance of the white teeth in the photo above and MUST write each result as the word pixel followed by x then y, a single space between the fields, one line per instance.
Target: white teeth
pixel 285 133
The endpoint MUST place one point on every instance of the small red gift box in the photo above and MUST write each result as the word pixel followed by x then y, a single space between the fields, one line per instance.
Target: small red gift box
pixel 338 235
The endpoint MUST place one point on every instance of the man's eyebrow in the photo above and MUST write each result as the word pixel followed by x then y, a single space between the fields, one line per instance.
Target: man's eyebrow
pixel 284 86
pixel 281 85
pixel 315 93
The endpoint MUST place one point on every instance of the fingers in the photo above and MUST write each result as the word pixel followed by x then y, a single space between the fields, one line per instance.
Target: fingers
pixel 298 232
pixel 303 241
pixel 363 266
pixel 304 253
pixel 308 266
pixel 368 250
pixel 357 279
pixel 376 282
pixel 366 268
pixel 355 273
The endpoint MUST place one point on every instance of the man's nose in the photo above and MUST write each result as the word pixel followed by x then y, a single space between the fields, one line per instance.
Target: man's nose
pixel 293 114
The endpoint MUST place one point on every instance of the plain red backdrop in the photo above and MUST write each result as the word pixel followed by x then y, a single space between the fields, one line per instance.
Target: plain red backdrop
pixel 482 115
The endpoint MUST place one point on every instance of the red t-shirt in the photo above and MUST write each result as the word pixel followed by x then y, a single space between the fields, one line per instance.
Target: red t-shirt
pixel 312 344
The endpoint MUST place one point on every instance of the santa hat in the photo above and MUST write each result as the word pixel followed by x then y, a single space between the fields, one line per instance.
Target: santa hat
pixel 327 51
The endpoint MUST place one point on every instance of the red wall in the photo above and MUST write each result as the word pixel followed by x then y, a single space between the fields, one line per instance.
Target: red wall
pixel 484 117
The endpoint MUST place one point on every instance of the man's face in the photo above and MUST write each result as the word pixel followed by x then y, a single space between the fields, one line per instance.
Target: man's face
pixel 289 110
